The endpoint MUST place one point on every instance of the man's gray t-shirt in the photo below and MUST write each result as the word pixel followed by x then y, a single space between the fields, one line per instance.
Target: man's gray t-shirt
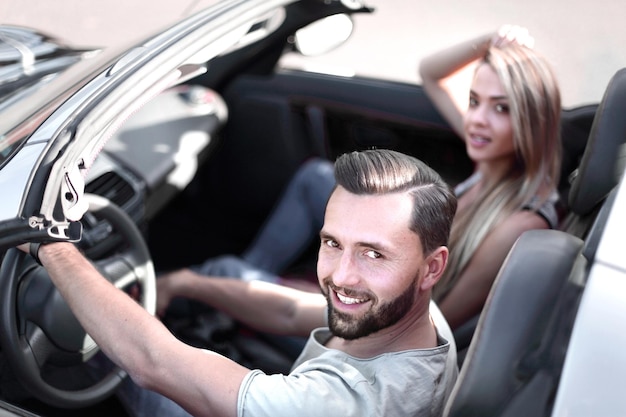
pixel 327 382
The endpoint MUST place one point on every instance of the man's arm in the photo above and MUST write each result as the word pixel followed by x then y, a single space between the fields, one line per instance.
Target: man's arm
pixel 203 382
pixel 263 306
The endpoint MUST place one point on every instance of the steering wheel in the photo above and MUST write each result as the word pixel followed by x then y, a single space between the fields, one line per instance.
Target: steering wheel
pixel 39 332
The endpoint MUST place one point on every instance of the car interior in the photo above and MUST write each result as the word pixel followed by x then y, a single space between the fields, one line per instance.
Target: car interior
pixel 358 118
pixel 218 150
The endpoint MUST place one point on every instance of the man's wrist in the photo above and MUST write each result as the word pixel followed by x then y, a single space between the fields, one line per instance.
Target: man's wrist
pixel 34 250
pixel 37 248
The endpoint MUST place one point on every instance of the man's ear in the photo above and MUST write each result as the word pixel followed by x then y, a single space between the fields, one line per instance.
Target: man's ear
pixel 435 264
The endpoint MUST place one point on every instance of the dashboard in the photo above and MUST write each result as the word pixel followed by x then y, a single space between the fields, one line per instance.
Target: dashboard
pixel 157 151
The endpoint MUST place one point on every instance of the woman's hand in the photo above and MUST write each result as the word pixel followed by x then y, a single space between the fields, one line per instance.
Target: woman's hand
pixel 508 34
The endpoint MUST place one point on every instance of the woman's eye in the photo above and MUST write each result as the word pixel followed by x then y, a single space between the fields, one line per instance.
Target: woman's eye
pixel 502 108
pixel 473 102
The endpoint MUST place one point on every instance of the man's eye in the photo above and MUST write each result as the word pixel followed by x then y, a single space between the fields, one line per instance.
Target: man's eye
pixel 330 243
pixel 373 254
pixel 473 102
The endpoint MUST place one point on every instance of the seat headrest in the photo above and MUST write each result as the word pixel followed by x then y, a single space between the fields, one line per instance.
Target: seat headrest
pixel 599 172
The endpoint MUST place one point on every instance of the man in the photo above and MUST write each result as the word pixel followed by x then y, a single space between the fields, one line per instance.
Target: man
pixel 383 248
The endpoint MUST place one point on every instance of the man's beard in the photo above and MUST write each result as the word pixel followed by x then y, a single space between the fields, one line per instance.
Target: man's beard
pixel 349 327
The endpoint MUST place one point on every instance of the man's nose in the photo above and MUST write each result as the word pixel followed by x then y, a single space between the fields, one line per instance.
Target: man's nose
pixel 345 273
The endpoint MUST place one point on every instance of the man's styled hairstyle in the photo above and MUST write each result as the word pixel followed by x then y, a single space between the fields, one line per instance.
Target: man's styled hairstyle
pixel 384 171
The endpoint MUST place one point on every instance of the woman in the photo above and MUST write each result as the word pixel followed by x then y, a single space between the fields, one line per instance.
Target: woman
pixel 510 125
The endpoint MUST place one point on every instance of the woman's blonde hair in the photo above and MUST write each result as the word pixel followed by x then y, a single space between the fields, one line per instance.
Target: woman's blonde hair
pixel 535 110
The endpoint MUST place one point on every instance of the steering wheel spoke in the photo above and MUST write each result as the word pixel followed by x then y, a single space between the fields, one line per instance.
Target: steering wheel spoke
pixel 39 346
pixel 117 270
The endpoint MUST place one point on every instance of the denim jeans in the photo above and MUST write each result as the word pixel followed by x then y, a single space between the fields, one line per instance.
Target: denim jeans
pixel 296 220
pixel 140 402
pixel 137 401
pixel 293 224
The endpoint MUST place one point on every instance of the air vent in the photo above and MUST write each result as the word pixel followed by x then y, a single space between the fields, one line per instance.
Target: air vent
pixel 113 187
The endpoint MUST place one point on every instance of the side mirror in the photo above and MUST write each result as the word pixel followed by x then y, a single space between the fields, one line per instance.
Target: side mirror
pixel 323 35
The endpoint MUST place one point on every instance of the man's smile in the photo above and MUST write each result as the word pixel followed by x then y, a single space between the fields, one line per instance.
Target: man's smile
pixel 350 300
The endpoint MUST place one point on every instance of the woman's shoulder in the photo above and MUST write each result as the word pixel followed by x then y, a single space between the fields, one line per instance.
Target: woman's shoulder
pixel 545 208
pixel 462 187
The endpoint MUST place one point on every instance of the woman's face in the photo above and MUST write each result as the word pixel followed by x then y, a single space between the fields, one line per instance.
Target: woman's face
pixel 488 127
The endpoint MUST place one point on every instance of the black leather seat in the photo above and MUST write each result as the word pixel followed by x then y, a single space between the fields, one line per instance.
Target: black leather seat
pixel 514 361
pixel 602 163
pixel 511 368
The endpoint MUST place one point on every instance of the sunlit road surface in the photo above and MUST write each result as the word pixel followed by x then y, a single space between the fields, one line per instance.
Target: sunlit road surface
pixel 584 40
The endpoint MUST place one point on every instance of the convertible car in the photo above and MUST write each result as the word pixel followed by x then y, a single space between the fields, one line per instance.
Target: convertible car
pixel 164 153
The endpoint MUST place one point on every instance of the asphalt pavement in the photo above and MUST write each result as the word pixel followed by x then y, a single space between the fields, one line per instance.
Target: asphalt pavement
pixel 584 40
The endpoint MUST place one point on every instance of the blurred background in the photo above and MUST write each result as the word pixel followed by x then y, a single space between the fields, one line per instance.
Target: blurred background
pixel 584 40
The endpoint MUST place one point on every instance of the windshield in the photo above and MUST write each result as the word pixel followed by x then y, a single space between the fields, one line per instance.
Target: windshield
pixel 28 61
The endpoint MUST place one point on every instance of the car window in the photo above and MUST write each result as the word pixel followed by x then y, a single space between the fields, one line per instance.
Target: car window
pixel 585 43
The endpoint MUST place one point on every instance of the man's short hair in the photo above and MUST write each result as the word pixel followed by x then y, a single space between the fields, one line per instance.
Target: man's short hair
pixel 383 171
